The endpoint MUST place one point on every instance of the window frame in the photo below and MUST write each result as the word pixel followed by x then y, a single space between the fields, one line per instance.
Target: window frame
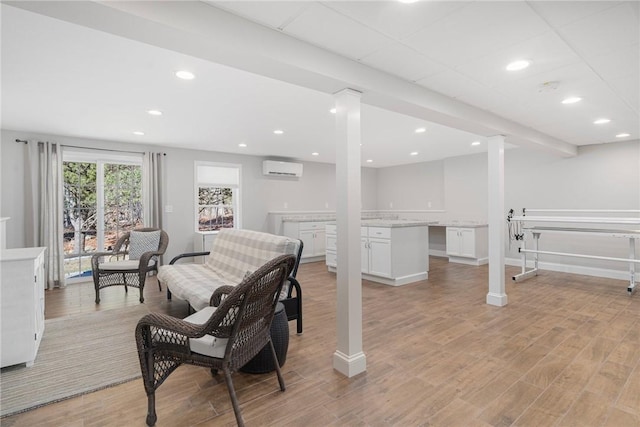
pixel 236 192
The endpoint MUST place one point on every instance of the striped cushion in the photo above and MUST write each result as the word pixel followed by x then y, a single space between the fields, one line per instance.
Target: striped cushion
pixel 234 252
pixel 192 282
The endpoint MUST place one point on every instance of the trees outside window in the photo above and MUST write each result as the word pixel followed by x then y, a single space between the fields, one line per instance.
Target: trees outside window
pixel 218 189
pixel 102 200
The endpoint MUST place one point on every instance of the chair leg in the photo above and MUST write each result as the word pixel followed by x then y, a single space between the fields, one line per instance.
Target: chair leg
pixel 142 277
pixel 234 398
pixel 97 295
pixel 148 370
pixel 276 363
pixel 151 409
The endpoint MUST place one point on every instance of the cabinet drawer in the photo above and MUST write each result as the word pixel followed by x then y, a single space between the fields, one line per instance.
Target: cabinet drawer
pixel 331 229
pixel 364 231
pixel 331 242
pixel 312 225
pixel 331 259
pixel 381 232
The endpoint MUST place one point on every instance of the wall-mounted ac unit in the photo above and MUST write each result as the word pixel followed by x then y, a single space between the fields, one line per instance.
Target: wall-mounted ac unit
pixel 278 168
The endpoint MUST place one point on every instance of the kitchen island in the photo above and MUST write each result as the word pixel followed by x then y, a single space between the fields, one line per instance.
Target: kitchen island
pixel 393 252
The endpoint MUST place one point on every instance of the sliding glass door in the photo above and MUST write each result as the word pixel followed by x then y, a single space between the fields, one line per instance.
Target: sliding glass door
pixel 102 200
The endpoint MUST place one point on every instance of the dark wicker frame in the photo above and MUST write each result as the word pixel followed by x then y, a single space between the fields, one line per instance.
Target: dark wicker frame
pixel 292 303
pixel 243 316
pixel 132 277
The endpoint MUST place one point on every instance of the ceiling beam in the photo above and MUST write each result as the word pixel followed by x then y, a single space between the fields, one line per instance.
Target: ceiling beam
pixel 204 31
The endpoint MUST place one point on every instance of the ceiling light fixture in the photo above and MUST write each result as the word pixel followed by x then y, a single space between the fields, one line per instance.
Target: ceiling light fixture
pixel 333 111
pixel 475 143
pixel 408 1
pixel 571 100
pixel 369 161
pixel 421 130
pixel 601 121
pixel 278 132
pixel 185 75
pixel 138 132
pixel 518 65
pixel 413 153
pixel 622 135
pixel 242 145
pixel 154 112
pixel 315 153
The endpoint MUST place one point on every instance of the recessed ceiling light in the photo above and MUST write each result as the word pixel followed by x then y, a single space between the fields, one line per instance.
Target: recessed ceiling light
pixel 138 132
pixel 185 75
pixel 601 121
pixel 421 130
pixel 407 1
pixel 315 154
pixel 242 145
pixel 518 65
pixel 369 161
pixel 413 153
pixel 154 112
pixel 278 132
pixel 622 135
pixel 475 143
pixel 333 111
pixel 571 100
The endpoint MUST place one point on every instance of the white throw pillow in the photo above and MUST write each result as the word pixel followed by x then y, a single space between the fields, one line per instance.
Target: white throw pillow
pixel 143 241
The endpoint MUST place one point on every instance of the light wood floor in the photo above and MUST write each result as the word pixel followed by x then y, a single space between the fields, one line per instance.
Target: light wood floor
pixel 564 352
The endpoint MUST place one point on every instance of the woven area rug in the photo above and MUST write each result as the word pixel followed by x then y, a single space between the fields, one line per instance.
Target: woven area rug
pixel 78 354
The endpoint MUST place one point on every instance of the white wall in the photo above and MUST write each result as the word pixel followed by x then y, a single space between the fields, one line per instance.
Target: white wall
pixel 261 194
pixel 419 186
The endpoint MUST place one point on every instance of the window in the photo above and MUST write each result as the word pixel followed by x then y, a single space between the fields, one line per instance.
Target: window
pixel 218 196
pixel 102 200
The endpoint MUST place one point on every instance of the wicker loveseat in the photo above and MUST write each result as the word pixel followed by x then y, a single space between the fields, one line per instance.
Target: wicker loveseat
pixel 234 255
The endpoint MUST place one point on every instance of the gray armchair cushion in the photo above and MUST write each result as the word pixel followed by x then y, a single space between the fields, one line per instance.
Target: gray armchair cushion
pixel 143 241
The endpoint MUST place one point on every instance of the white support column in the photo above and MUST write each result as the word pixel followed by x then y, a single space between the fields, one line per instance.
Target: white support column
pixel 348 358
pixel 496 295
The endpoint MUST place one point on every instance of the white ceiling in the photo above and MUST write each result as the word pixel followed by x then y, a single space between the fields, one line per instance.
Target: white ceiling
pixel 68 79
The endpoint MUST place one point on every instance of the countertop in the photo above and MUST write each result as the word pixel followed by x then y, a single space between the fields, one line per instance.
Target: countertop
pixel 387 221
pixel 392 223
pixel 463 224
pixel 330 218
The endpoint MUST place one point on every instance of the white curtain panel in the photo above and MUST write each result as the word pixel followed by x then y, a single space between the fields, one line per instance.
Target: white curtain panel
pixel 43 222
pixel 152 188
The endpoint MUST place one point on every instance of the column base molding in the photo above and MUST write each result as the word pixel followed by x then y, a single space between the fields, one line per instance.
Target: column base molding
pixel 349 365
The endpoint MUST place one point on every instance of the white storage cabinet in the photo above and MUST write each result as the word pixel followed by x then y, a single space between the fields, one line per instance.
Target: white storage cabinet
pixel 21 304
pixel 376 250
pixel 467 245
pixel 393 256
pixel 312 234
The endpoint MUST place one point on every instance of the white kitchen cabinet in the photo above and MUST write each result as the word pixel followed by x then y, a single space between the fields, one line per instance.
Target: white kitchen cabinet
pixel 21 304
pixel 390 255
pixel 312 234
pixel 467 245
pixel 379 253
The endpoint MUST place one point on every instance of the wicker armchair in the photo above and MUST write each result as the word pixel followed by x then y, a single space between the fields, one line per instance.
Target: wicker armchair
pixel 223 338
pixel 113 269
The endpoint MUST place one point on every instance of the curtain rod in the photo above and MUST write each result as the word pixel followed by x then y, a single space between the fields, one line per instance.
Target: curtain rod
pixel 90 148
